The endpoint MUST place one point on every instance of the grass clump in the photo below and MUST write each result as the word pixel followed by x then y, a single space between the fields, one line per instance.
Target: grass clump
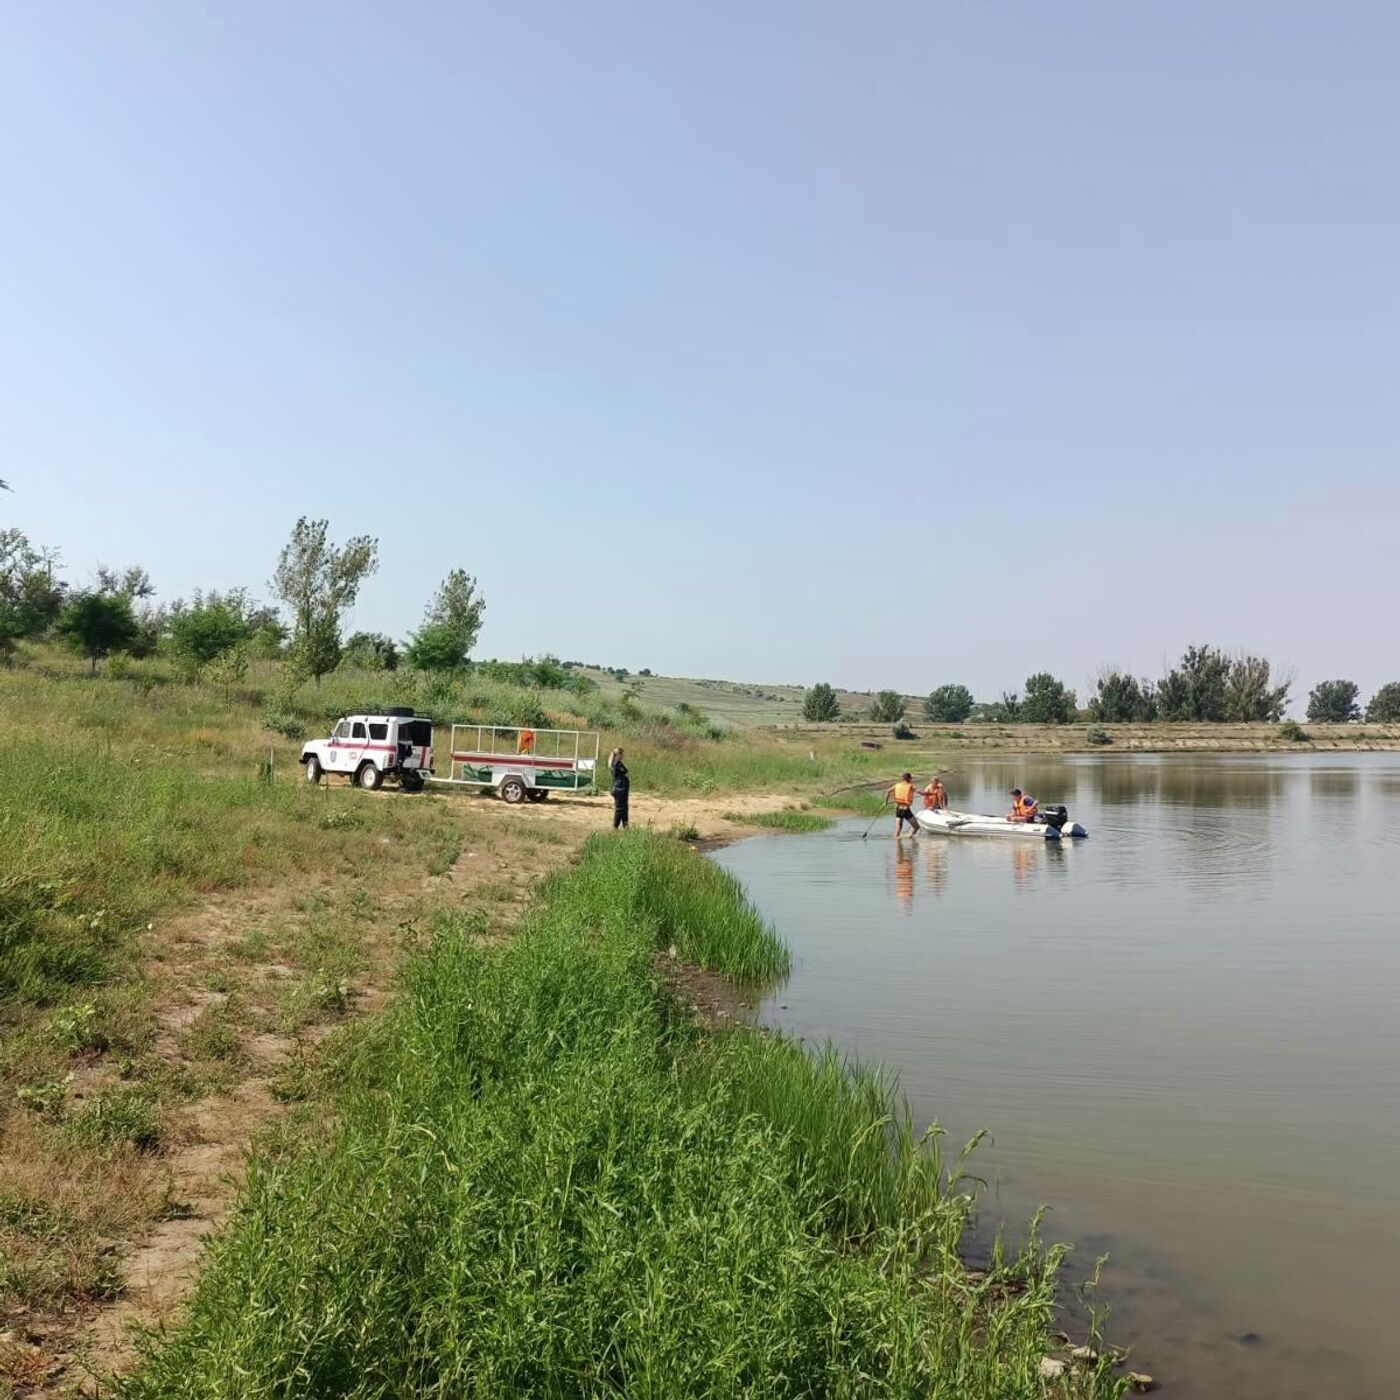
pixel 787 820
pixel 121 1116
pixel 543 1181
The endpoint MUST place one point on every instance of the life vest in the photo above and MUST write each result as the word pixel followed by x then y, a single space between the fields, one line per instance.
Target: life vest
pixel 903 794
pixel 934 797
pixel 1023 808
pixel 527 741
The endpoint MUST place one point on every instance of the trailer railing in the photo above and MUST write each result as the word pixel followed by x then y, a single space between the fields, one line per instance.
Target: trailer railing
pixel 522 761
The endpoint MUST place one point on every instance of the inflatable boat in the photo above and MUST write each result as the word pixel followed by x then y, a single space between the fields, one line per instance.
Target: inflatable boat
pixel 1052 824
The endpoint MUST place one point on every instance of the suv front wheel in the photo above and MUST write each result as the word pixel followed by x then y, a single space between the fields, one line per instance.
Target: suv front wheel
pixel 369 777
pixel 313 769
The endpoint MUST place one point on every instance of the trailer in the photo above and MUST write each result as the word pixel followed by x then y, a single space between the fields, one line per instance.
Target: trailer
pixel 520 763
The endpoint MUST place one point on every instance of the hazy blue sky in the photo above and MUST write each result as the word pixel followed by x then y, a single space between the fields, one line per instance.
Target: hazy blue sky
pixel 885 344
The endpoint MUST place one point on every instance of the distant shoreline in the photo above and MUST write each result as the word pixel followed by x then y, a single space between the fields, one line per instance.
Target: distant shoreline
pixel 1122 738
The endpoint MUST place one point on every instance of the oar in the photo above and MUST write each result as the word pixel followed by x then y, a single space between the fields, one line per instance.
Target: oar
pixel 873 820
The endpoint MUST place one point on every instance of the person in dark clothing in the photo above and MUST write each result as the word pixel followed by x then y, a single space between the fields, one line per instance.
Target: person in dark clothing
pixel 621 788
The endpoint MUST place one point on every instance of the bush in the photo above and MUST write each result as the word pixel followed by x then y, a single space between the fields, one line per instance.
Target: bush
pixel 903 731
pixel 1098 736
pixel 1293 731
pixel 887 707
pixel 287 723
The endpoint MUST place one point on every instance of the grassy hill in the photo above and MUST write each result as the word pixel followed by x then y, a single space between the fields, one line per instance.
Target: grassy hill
pixel 736 704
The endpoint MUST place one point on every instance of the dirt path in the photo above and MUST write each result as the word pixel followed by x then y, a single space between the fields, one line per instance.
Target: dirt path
pixel 242 992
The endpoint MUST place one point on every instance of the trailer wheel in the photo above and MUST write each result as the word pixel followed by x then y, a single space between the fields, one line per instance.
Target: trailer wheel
pixel 411 781
pixel 538 794
pixel 512 791
pixel 313 769
pixel 369 777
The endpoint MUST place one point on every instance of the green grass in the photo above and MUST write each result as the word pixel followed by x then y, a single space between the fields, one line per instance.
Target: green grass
pixel 787 820
pixel 543 1181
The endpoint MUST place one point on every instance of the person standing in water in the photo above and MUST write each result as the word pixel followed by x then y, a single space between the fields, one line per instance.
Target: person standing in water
pixel 621 788
pixel 903 795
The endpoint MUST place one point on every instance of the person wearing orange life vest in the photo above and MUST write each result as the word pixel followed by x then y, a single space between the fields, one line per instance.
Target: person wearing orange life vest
pixel 902 793
pixel 935 796
pixel 1023 808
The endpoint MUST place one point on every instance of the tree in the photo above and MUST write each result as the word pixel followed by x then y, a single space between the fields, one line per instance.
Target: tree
pixel 819 704
pixel 1007 710
pixel 30 601
pixel 1122 699
pixel 435 647
pixel 207 628
pixel 887 706
pixel 1196 688
pixel 1047 701
pixel 1385 705
pixel 97 624
pixel 318 582
pixel 454 614
pixel 949 704
pixel 229 668
pixel 1333 702
pixel 371 651
pixel 131 583
pixel 1253 694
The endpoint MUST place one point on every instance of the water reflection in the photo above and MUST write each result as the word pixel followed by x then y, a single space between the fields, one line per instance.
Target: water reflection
pixel 1342 783
pixel 904 876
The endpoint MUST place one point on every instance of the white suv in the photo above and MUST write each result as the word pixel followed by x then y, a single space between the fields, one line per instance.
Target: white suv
pixel 369 748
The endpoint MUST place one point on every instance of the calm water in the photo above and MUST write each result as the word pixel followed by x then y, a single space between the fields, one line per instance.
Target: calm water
pixel 1183 1034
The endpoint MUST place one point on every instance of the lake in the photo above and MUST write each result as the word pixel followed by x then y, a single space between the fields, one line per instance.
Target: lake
pixel 1182 1033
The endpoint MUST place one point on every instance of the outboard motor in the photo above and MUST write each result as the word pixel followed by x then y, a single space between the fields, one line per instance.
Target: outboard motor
pixel 1055 816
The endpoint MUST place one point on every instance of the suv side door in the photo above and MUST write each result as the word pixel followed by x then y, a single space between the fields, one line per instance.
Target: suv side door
pixel 359 737
pixel 340 748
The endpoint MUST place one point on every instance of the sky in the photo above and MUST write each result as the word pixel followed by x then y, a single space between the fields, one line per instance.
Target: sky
pixel 891 345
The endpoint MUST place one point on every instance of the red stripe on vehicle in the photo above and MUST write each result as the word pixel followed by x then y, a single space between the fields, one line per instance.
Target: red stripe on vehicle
pixel 359 744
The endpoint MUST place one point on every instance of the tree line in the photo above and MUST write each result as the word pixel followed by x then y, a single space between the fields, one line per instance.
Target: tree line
pixel 1207 686
pixel 316 582
pixel 215 634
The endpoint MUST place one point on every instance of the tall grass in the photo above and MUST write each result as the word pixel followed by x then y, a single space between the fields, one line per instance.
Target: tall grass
pixel 787 820
pixel 543 1182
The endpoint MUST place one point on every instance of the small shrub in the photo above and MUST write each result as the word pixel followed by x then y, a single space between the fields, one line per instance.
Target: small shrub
pixel 122 1116
pixel 287 723
pixel 1293 731
pixel 686 832
pixel 1097 736
pixel 74 1028
pixel 903 731
pixel 45 1096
